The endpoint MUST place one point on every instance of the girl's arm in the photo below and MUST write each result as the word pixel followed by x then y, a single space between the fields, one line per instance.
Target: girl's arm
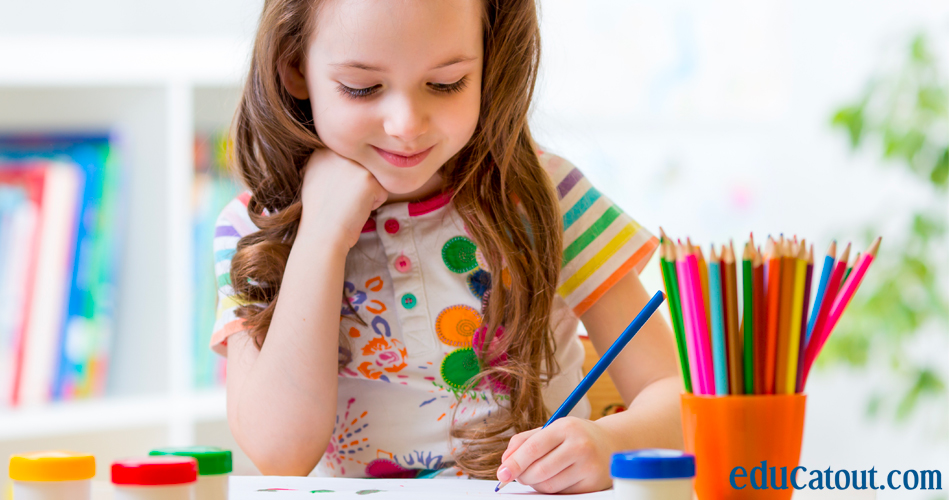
pixel 281 400
pixel 646 372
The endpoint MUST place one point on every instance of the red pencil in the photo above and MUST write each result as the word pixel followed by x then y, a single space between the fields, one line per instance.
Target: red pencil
pixel 773 306
pixel 760 319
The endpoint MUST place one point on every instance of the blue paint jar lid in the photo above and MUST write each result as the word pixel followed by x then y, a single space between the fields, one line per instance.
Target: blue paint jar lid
pixel 652 464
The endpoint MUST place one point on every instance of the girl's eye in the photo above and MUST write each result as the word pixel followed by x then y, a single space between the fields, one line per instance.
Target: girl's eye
pixel 357 93
pixel 445 88
pixel 450 88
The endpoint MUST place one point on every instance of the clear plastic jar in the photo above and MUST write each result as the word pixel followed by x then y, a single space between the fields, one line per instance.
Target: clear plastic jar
pixel 52 475
pixel 214 466
pixel 652 474
pixel 155 478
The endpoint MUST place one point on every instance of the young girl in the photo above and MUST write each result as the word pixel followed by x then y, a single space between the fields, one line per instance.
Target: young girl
pixel 401 286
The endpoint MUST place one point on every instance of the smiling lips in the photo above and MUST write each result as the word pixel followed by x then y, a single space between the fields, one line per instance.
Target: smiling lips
pixel 403 160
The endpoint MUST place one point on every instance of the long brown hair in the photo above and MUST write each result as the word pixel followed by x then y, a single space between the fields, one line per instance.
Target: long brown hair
pixel 499 188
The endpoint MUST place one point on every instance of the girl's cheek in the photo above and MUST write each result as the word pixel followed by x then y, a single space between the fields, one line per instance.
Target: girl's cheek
pixel 342 127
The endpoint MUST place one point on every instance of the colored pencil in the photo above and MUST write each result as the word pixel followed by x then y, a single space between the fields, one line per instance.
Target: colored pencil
pixel 788 271
pixel 688 322
pixel 667 259
pixel 799 372
pixel 841 301
pixel 748 319
pixel 732 334
pixel 850 268
pixel 761 319
pixel 719 356
pixel 604 362
pixel 822 287
pixel 699 309
pixel 772 306
pixel 797 307
pixel 833 283
pixel 703 276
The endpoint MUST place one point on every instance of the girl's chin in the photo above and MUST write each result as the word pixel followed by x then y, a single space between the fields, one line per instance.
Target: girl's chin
pixel 401 187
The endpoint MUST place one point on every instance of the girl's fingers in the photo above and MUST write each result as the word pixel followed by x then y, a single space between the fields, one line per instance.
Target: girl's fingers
pixel 568 478
pixel 550 469
pixel 516 441
pixel 536 446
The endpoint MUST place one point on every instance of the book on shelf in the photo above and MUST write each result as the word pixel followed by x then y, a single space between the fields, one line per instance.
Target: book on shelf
pixel 21 193
pixel 62 264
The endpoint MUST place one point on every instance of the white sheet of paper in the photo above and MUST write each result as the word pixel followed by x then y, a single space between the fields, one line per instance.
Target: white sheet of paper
pixel 290 488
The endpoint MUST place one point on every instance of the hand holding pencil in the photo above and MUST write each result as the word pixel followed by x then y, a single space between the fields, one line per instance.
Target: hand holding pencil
pixel 518 460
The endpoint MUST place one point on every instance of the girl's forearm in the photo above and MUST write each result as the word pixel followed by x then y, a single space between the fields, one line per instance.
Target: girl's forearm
pixel 653 420
pixel 286 405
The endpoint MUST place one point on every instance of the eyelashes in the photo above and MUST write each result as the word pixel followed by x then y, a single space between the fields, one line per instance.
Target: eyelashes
pixel 443 88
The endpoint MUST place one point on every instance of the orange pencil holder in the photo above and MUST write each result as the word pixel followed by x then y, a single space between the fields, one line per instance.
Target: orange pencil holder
pixel 725 432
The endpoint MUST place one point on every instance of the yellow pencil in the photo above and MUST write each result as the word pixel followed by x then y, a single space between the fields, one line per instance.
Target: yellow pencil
pixel 797 306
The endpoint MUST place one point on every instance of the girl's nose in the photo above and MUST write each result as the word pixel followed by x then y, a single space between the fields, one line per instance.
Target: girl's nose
pixel 406 119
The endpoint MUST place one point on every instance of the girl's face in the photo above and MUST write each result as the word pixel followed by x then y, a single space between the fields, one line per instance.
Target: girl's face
pixel 395 85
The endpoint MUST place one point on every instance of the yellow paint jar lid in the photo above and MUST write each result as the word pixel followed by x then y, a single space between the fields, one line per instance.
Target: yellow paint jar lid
pixel 52 466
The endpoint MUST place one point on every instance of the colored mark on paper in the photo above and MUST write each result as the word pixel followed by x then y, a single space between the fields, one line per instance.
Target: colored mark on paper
pixel 322 491
pixel 366 492
pixel 277 489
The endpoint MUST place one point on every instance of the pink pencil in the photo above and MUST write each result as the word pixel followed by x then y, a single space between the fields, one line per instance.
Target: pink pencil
pixel 698 310
pixel 687 320
pixel 841 300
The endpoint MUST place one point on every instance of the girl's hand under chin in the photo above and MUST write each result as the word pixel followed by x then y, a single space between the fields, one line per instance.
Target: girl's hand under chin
pixel 338 196
pixel 571 455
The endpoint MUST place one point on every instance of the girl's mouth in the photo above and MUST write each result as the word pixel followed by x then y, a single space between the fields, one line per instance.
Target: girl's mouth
pixel 400 160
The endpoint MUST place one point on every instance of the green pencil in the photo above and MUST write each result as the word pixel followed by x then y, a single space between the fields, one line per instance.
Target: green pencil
pixel 670 279
pixel 748 319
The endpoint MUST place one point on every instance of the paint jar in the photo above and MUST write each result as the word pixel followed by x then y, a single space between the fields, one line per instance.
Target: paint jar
pixel 652 474
pixel 214 465
pixel 52 475
pixel 155 478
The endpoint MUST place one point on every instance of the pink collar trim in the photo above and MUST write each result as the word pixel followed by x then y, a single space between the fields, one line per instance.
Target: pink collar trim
pixel 417 208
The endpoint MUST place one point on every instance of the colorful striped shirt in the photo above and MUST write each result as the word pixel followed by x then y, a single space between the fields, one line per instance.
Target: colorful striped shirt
pixel 418 281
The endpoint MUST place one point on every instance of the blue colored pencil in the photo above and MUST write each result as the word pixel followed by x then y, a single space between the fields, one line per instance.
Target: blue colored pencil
pixel 821 288
pixel 719 358
pixel 604 362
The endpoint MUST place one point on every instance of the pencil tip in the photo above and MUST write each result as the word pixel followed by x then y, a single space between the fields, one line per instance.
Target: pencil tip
pixel 872 251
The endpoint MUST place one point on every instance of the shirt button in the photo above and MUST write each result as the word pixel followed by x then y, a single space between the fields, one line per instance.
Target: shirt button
pixel 392 226
pixel 408 301
pixel 403 264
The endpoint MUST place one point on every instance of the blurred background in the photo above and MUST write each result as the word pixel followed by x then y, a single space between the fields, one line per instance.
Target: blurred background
pixel 825 119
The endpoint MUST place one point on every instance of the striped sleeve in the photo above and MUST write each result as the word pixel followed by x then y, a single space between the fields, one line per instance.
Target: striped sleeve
pixel 231 226
pixel 601 242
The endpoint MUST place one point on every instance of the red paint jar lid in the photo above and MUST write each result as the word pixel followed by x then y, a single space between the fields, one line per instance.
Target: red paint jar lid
pixel 155 471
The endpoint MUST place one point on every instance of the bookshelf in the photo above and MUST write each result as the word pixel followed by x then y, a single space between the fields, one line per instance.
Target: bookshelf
pixel 155 93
